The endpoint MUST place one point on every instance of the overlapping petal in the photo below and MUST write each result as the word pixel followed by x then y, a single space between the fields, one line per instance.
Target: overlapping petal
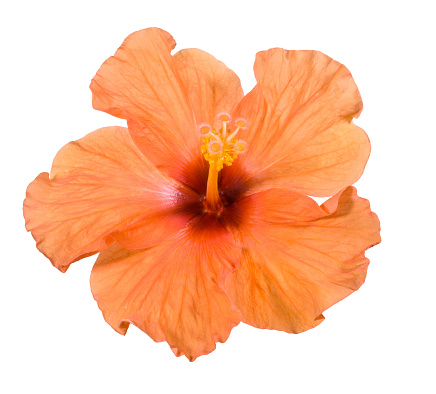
pixel 212 88
pixel 140 83
pixel 299 259
pixel 173 291
pixel 301 135
pixel 99 188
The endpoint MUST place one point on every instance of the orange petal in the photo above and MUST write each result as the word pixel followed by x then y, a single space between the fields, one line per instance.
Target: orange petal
pixel 173 291
pixel 300 133
pixel 140 83
pixel 299 258
pixel 102 185
pixel 211 86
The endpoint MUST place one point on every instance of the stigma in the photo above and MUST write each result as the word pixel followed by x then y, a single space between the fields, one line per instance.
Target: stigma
pixel 220 147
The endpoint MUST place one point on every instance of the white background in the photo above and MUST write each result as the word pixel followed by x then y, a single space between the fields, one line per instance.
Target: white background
pixel 379 340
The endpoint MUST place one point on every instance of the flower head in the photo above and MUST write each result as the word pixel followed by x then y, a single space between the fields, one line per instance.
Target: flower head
pixel 200 208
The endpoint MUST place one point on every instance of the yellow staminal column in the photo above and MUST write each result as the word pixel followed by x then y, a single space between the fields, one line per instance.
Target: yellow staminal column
pixel 219 148
pixel 213 200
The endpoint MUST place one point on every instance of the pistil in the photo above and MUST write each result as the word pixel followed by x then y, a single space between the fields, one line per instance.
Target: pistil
pixel 219 148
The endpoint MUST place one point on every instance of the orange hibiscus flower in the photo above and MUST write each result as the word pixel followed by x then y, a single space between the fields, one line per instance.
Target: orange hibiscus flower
pixel 203 221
